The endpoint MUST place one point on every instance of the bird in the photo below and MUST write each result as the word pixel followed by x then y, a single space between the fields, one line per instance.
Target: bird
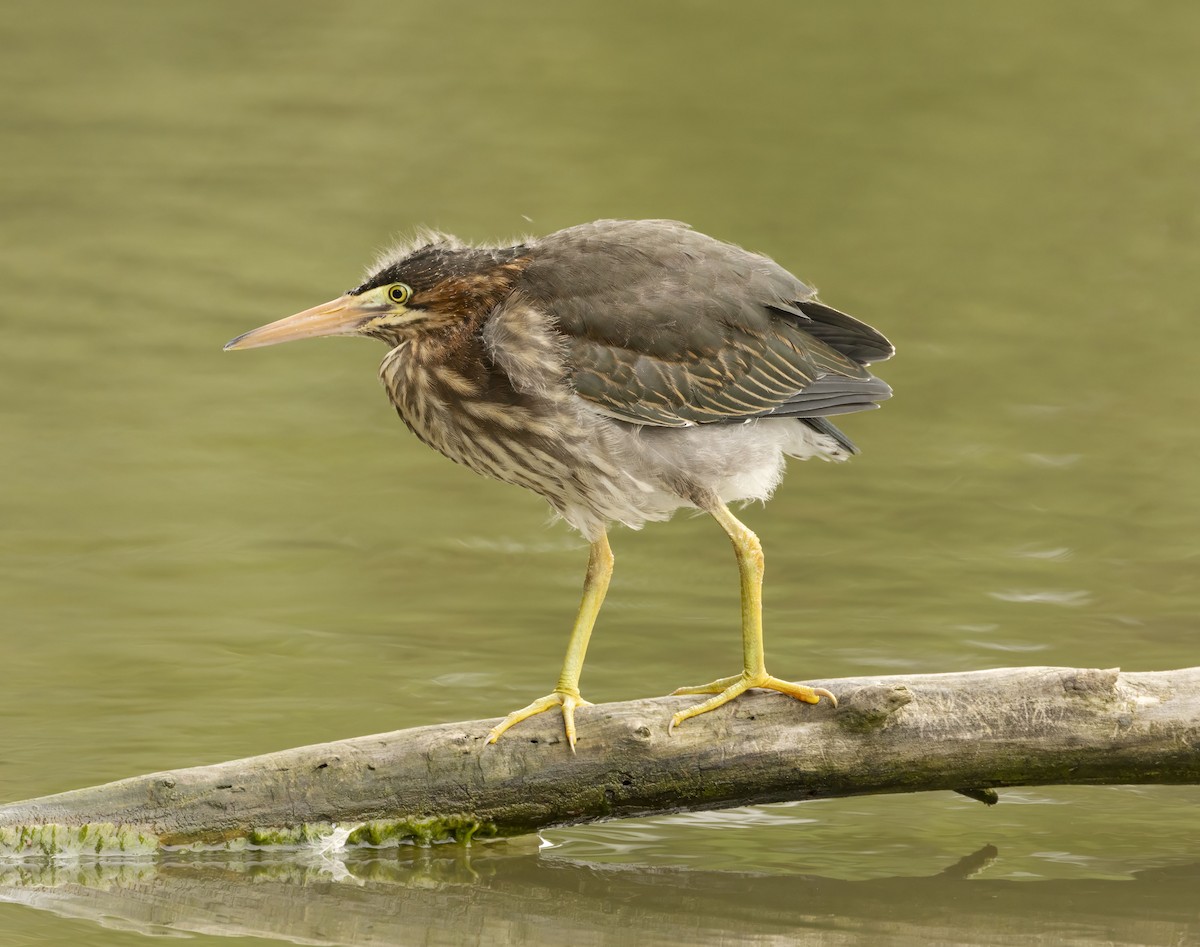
pixel 623 370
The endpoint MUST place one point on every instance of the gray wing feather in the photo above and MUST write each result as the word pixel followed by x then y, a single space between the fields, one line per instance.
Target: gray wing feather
pixel 667 327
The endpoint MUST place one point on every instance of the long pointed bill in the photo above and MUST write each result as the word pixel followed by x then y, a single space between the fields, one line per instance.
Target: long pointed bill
pixel 342 316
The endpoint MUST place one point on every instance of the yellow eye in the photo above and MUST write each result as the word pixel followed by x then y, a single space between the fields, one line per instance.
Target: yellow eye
pixel 399 293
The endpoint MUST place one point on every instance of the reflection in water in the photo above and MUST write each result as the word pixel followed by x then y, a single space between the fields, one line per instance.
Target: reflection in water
pixel 504 893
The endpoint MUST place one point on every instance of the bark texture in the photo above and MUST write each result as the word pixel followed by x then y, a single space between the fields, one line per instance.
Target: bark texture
pixel 969 731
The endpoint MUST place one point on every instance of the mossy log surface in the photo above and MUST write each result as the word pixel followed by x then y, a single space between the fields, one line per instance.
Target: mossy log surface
pixel 969 732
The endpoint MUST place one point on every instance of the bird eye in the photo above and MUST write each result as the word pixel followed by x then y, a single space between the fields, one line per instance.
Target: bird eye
pixel 399 293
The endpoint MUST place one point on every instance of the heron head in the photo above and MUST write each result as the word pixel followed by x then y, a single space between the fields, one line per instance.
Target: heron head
pixel 436 284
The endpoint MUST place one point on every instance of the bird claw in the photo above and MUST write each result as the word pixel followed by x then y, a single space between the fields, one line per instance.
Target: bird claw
pixel 727 688
pixel 568 703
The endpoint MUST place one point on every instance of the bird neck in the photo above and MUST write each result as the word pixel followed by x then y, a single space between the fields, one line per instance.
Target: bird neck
pixel 456 347
pixel 449 362
pixel 439 383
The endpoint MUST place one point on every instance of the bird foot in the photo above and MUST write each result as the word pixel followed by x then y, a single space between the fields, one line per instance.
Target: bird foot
pixel 568 703
pixel 727 688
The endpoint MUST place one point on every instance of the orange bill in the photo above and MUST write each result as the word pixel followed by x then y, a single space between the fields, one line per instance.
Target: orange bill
pixel 342 316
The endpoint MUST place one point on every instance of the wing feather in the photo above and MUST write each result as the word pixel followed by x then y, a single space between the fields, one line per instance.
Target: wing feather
pixel 667 327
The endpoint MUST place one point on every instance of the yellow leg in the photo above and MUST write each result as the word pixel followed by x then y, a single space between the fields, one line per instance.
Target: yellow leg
pixel 754 669
pixel 566 694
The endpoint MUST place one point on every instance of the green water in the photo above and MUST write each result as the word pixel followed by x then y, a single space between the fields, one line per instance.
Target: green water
pixel 208 555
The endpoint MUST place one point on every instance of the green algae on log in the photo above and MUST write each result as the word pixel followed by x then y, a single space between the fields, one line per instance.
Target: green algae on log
pixel 66 841
pixel 976 731
pixel 93 839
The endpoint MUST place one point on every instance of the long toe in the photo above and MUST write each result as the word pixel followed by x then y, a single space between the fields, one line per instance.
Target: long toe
pixel 810 695
pixel 727 688
pixel 714 687
pixel 567 702
pixel 739 687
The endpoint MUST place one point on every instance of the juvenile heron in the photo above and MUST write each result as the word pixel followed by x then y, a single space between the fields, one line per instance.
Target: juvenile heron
pixel 622 370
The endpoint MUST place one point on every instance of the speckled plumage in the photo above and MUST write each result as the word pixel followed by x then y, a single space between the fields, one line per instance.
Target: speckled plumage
pixel 627 368
pixel 622 370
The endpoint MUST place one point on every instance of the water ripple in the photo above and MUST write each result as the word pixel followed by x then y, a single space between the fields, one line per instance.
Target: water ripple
pixel 1071 599
pixel 1058 554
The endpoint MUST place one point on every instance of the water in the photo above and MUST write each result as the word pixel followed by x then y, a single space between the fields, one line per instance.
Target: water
pixel 204 555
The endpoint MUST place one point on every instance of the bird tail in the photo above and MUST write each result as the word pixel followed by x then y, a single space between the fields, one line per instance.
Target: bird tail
pixel 822 426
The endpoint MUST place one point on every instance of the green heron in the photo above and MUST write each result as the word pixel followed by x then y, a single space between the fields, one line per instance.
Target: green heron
pixel 622 370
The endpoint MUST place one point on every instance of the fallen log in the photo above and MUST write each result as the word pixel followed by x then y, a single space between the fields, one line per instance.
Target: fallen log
pixel 970 732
